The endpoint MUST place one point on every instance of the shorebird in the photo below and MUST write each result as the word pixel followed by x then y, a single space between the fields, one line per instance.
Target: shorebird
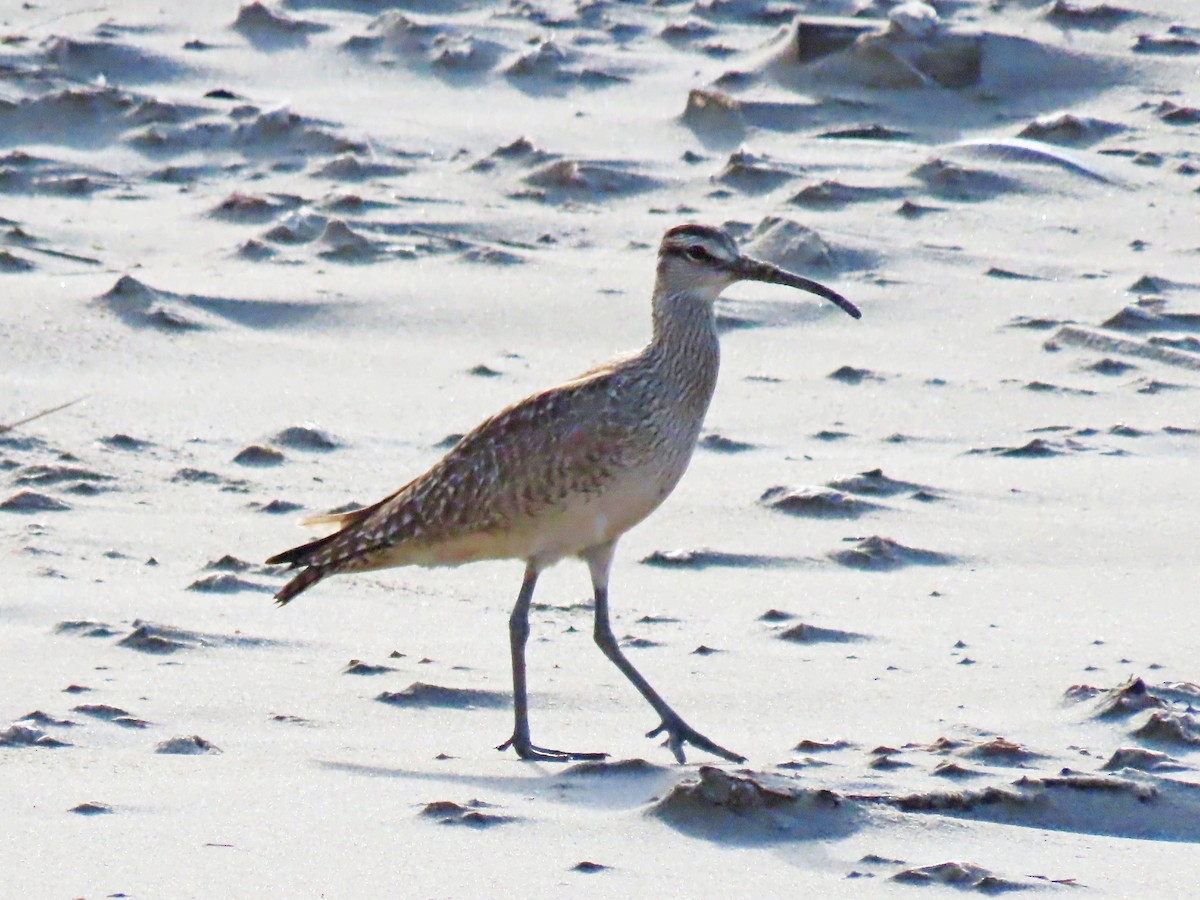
pixel 566 472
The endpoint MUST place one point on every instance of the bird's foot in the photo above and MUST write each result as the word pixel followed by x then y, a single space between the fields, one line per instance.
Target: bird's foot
pixel 680 732
pixel 527 750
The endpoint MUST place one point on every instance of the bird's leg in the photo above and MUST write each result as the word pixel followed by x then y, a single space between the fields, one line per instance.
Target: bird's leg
pixel 518 634
pixel 678 732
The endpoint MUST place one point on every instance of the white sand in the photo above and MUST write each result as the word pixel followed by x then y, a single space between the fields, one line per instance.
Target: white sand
pixel 251 309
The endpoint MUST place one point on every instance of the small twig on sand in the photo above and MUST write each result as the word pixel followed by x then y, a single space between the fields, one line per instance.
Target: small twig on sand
pixel 38 415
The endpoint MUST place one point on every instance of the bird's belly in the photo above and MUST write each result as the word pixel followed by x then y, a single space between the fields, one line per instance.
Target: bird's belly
pixel 592 520
pixel 565 529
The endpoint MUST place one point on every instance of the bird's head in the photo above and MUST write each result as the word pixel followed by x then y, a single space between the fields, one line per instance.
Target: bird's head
pixel 702 260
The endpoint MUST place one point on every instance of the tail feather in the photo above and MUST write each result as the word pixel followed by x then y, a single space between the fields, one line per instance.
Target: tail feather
pixel 335 520
pixel 306 579
pixel 299 556
pixel 312 558
pixel 296 558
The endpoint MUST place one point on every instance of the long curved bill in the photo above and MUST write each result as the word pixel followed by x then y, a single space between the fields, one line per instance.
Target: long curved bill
pixel 749 269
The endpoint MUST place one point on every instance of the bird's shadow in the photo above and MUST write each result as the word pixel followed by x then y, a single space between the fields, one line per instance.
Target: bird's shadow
pixel 744 809
pixel 621 784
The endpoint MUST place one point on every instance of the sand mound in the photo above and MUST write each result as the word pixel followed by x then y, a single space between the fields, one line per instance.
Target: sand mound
pixel 423 696
pixel 923 52
pixel 753 809
pixel 1136 804
pixel 880 554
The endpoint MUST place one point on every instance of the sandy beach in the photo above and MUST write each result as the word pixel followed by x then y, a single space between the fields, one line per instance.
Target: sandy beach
pixel 933 572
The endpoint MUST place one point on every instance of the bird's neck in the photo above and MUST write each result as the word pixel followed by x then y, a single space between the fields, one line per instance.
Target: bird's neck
pixel 684 348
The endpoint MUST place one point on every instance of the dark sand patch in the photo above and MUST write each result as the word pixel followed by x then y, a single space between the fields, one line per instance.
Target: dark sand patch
pixel 1046 388
pixel 1172 719
pixel 472 815
pixel 1099 16
pixel 1070 130
pixel 569 180
pixel 1151 317
pixel 751 174
pixel 753 809
pixel 1134 805
pixel 601 768
pixel 948 180
pixel 277 507
pixel 420 695
pixel 288 719
pixel 810 746
pixel 816 502
pixel 803 633
pixel 252 209
pixel 831 194
pixel 719 443
pixel 997 751
pixel 964 876
pixel 45 720
pixel 91 808
pixel 1142 760
pixel 21 173
pixel 33 502
pixel 108 713
pixel 776 615
pixel 19 735
pixel 227 583
pixel 588 867
pixel 639 643
pixel 1038 448
pixel 853 376
pixel 1173 729
pixel 228 563
pixel 147 637
pixel 85 628
pixel 258 455
pixel 1009 275
pixel 880 554
pixel 358 667
pixel 349 167
pixel 703 558
pixel 187 746
pixel 1035 323
pixel 306 437
pixel 189 475
pixel 1110 367
pixel 954 771
pixel 10 263
pixel 874 483
pixel 1125 700
pixel 1173 43
pixel 124 442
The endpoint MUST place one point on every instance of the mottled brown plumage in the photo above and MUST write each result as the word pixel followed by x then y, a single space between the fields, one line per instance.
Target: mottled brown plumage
pixel 567 471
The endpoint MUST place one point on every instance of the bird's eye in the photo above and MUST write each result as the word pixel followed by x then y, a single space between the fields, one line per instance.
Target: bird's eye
pixel 696 253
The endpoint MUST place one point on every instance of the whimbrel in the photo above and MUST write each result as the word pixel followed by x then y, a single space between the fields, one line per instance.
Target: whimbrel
pixel 567 471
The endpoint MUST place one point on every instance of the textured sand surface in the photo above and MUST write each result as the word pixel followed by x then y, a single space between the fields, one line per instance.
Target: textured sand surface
pixel 932 572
